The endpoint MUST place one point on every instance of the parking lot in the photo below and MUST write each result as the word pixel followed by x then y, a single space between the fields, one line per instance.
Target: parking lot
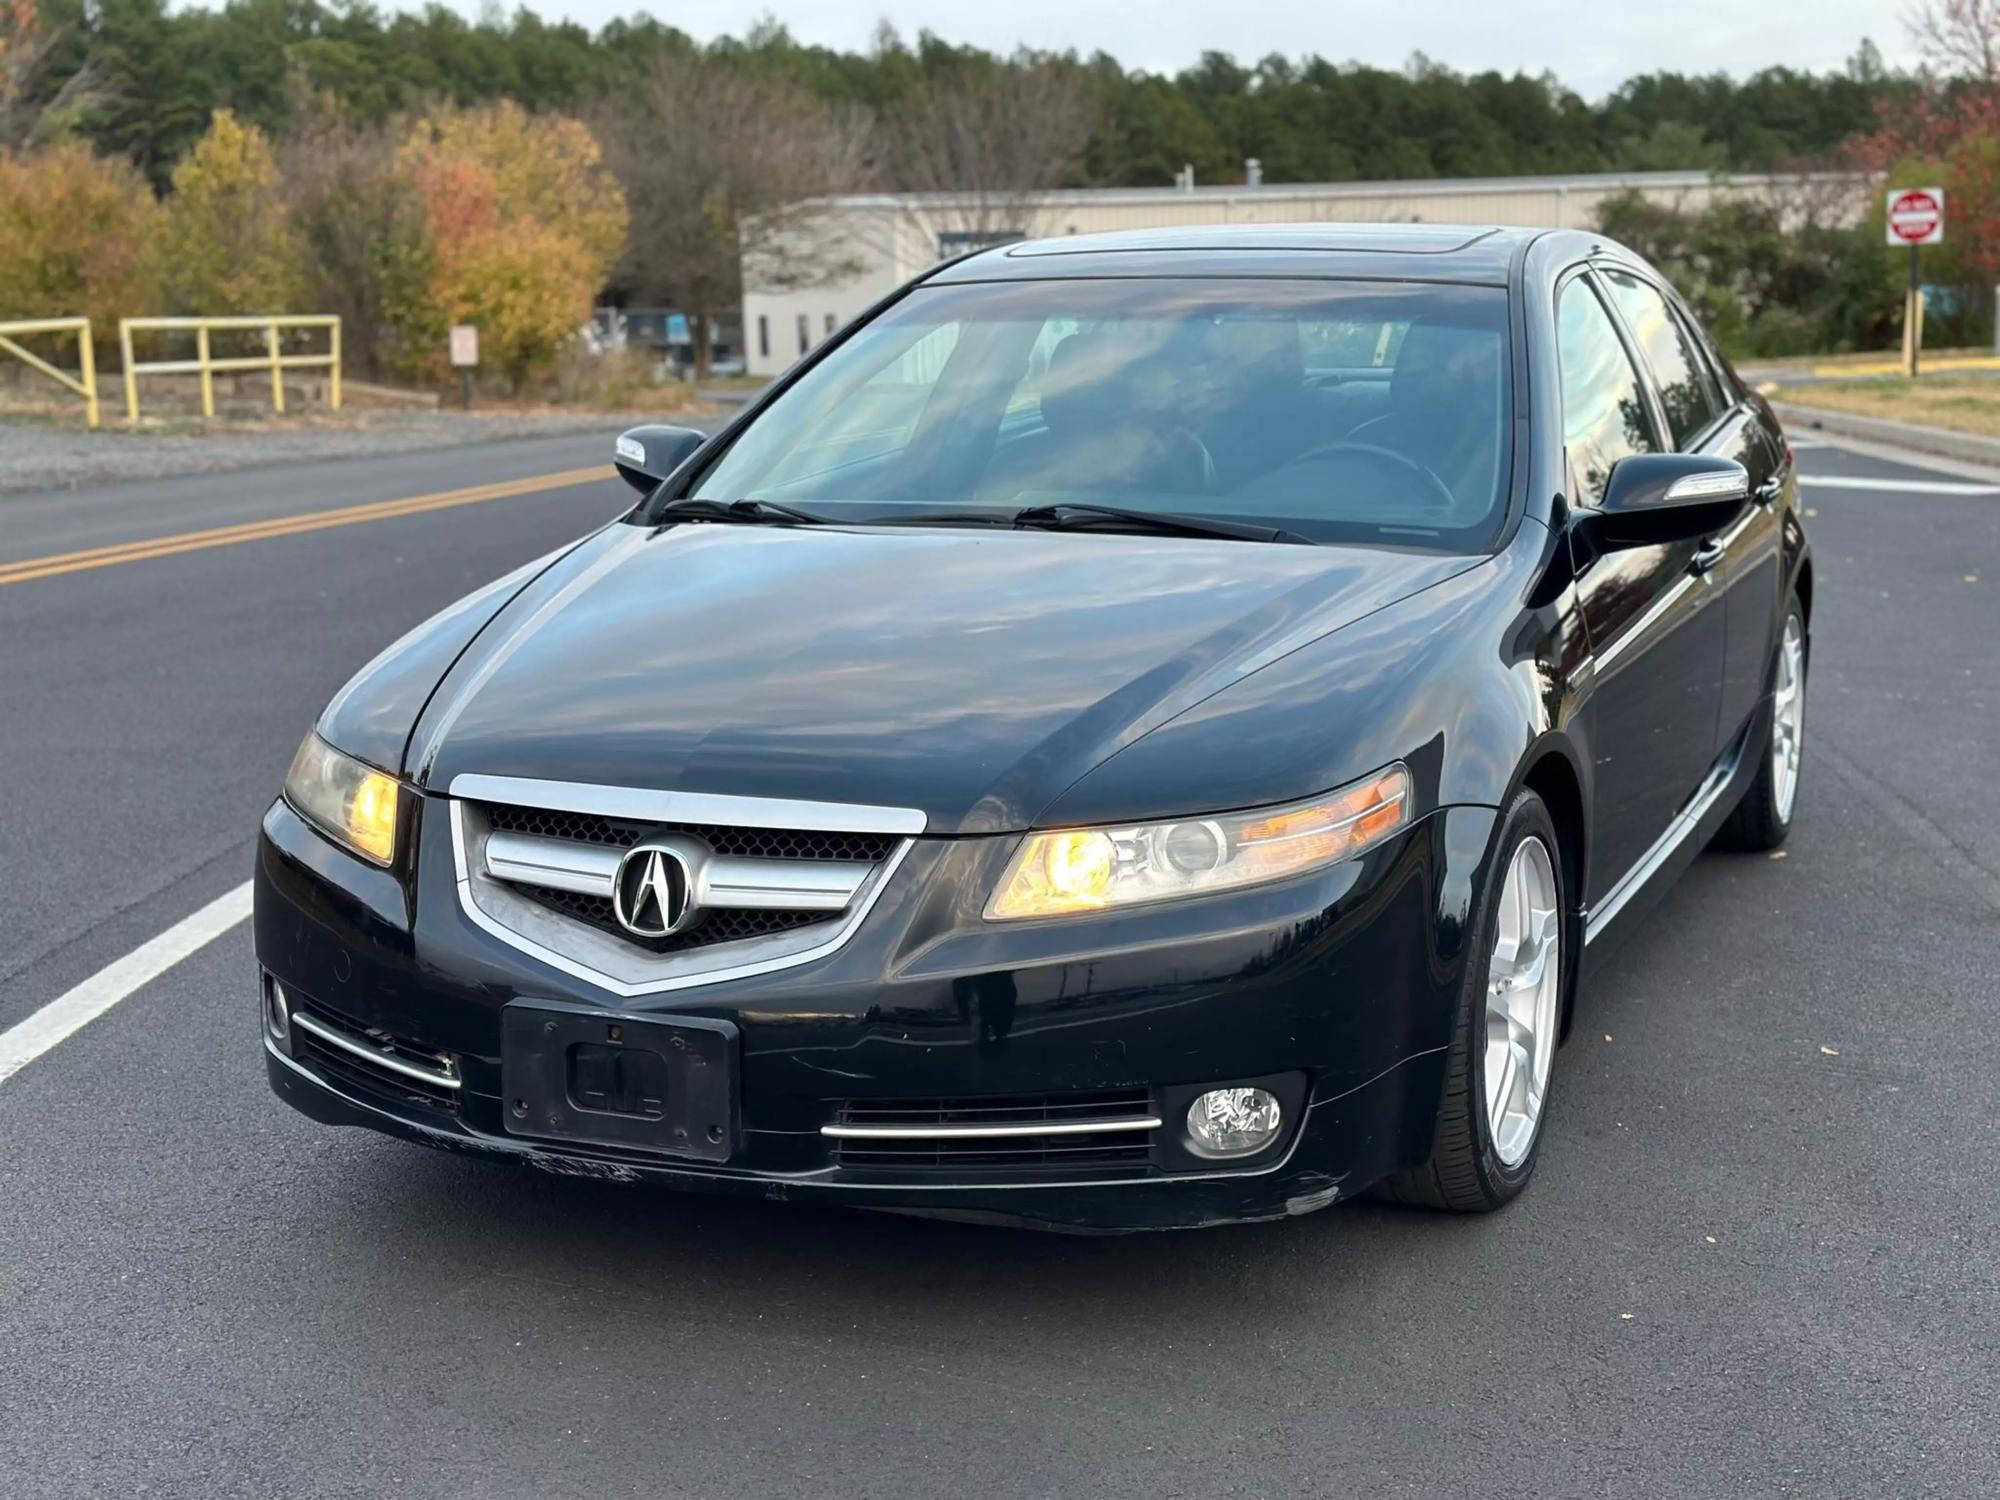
pixel 1758 1260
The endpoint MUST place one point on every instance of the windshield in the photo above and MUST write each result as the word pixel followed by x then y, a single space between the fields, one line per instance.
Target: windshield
pixel 1340 411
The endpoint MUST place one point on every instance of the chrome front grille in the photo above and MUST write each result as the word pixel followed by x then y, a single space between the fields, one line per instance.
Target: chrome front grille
pixel 759 883
pixel 1039 1135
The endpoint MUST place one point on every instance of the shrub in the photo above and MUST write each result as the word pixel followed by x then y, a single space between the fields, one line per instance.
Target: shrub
pixel 522 225
pixel 75 237
pixel 229 245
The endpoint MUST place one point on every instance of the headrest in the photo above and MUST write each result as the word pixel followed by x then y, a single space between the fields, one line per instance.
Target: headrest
pixel 1439 360
pixel 1097 379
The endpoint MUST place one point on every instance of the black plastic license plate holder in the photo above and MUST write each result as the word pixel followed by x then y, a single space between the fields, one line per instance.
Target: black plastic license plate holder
pixel 665 1084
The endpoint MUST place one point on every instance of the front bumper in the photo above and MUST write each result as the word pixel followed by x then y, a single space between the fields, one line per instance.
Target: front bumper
pixel 1343 984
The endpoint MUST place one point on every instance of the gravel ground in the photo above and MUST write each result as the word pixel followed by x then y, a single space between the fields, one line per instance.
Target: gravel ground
pixel 50 458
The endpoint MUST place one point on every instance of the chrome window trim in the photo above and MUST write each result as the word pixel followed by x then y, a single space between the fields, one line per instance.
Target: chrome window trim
pixel 646 805
pixel 1649 864
pixel 984 1132
pixel 662 973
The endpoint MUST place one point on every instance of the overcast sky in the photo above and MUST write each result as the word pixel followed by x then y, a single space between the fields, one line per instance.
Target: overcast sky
pixel 1592 45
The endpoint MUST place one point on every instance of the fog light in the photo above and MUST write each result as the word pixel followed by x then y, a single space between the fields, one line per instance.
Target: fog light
pixel 278 1015
pixel 1233 1122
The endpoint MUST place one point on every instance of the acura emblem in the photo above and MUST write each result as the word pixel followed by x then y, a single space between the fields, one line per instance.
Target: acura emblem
pixel 653 893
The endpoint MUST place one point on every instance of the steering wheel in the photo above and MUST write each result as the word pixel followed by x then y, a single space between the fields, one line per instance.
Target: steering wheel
pixel 1440 492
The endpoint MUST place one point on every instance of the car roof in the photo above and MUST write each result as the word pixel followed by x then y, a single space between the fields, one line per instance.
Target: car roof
pixel 1475 253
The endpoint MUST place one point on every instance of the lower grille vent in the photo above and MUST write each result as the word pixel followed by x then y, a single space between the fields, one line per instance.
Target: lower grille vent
pixel 372 1059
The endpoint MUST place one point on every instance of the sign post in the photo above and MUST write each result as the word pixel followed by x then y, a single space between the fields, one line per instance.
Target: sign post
pixel 1915 218
pixel 464 357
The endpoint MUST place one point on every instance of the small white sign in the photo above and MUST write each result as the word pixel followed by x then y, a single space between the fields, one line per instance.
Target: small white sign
pixel 1916 216
pixel 464 346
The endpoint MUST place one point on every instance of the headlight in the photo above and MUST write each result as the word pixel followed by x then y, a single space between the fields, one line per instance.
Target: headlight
pixel 1088 869
pixel 352 804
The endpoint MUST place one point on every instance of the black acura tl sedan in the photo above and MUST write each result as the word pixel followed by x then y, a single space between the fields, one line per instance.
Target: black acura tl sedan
pixel 1139 730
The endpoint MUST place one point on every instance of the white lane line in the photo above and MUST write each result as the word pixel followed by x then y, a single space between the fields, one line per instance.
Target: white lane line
pixel 76 1008
pixel 1899 486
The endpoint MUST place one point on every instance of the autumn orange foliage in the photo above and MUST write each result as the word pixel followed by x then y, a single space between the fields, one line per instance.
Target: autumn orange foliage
pixel 524 223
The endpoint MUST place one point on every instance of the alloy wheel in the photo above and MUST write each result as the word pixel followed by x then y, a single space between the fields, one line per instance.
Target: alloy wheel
pixel 1788 720
pixel 1524 977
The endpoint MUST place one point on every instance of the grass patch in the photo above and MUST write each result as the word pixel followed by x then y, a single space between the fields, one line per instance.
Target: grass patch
pixel 1963 404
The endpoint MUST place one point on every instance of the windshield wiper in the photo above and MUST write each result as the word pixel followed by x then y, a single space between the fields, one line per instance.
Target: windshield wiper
pixel 743 512
pixel 1064 514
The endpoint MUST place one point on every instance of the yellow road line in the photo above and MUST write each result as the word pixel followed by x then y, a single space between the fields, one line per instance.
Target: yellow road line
pixel 318 520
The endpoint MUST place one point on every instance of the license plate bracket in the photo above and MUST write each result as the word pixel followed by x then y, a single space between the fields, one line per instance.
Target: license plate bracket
pixel 609 1078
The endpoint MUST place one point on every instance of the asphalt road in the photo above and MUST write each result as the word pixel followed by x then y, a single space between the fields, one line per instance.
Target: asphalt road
pixel 1759 1258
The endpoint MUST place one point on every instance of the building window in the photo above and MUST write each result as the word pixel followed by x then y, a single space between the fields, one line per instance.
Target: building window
pixel 764 336
pixel 805 333
pixel 831 324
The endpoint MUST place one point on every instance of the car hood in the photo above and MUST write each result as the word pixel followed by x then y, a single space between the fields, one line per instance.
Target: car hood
pixel 973 675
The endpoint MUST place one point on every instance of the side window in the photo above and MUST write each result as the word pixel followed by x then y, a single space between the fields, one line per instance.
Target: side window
pixel 1604 408
pixel 1687 388
pixel 1703 343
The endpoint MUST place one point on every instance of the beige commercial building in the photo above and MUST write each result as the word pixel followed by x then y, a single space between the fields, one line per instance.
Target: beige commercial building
pixel 863 247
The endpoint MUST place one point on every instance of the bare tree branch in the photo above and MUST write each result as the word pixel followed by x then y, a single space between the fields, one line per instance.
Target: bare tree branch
pixel 719 164
pixel 35 106
pixel 1959 38
pixel 980 145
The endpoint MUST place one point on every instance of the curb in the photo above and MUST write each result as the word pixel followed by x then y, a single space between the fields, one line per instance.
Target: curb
pixel 1966 446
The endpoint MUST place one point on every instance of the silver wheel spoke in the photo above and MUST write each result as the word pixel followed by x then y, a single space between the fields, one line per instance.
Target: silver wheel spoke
pixel 1524 972
pixel 1788 707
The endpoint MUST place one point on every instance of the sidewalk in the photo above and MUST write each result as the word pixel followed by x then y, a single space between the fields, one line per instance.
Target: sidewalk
pixel 1966 447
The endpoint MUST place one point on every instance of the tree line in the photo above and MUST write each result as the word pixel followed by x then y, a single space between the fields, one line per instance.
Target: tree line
pixel 156 74
pixel 412 170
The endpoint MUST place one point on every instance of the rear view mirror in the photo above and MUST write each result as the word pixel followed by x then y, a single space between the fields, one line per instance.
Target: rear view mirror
pixel 646 455
pixel 1665 497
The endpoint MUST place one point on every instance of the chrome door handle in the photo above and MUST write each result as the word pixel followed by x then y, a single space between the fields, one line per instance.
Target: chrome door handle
pixel 1767 493
pixel 1707 555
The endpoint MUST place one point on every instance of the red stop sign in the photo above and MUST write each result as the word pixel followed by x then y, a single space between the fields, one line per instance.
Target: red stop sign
pixel 1916 216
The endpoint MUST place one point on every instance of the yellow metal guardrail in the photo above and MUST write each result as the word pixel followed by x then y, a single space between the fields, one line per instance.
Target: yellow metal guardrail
pixel 84 383
pixel 205 365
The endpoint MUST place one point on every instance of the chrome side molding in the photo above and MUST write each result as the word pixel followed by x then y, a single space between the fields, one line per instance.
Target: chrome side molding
pixel 1678 831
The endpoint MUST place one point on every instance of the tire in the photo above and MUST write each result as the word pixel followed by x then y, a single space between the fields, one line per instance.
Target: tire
pixel 1474 1168
pixel 1762 819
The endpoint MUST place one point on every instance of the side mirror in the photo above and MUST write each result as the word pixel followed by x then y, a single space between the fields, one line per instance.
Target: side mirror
pixel 646 455
pixel 1665 497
